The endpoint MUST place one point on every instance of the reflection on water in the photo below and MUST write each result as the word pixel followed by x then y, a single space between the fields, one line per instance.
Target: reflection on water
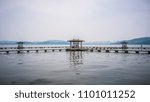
pixel 76 58
pixel 74 68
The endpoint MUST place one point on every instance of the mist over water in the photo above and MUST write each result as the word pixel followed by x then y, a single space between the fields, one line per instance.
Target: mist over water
pixel 74 68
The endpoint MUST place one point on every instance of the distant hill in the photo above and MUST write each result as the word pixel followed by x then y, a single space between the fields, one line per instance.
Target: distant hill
pixel 98 43
pixel 143 40
pixel 8 42
pixel 54 42
pixel 57 42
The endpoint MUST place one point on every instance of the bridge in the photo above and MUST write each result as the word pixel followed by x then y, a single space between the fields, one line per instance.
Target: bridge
pixel 137 50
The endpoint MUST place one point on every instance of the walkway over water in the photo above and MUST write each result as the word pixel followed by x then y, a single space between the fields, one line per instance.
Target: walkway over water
pixel 63 48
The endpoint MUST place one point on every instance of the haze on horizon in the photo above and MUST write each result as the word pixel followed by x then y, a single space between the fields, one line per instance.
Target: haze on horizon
pixel 92 20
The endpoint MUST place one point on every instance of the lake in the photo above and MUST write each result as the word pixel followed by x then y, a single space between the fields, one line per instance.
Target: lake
pixel 74 68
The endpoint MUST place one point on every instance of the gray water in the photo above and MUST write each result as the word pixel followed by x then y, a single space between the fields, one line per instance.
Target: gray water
pixel 67 68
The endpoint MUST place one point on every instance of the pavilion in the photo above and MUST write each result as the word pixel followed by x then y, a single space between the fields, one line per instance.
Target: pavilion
pixel 76 45
pixel 20 45
pixel 124 45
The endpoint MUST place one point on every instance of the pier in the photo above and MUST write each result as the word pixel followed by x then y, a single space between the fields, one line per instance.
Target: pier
pixel 136 50
pixel 76 45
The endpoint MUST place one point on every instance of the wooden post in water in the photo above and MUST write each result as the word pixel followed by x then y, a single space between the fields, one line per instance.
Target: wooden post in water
pixel 91 50
pixel 116 51
pixel 18 51
pixel 136 51
pixel 107 51
pixel 126 51
pixel 7 52
pixel 99 50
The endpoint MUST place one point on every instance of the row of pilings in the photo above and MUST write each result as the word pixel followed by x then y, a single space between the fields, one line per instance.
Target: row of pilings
pixel 64 47
pixel 89 50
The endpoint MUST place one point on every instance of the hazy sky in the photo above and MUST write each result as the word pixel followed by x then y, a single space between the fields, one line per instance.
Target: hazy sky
pixel 91 20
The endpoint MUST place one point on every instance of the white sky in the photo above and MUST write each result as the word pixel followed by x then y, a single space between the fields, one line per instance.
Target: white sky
pixel 91 20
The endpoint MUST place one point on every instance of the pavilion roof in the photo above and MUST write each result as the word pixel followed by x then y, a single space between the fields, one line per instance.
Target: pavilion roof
pixel 75 40
pixel 20 42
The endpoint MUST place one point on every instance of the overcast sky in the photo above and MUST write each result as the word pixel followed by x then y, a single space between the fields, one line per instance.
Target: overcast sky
pixel 91 20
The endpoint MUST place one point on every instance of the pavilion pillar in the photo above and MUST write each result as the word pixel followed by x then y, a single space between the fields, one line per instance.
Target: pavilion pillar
pixel 70 44
pixel 81 44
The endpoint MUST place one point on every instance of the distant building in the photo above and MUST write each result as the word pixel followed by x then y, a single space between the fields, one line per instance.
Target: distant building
pixel 20 45
pixel 124 45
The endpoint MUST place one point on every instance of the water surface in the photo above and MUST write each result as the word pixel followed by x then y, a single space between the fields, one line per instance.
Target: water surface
pixel 82 68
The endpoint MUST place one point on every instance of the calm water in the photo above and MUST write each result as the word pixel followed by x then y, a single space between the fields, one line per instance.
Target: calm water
pixel 74 68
